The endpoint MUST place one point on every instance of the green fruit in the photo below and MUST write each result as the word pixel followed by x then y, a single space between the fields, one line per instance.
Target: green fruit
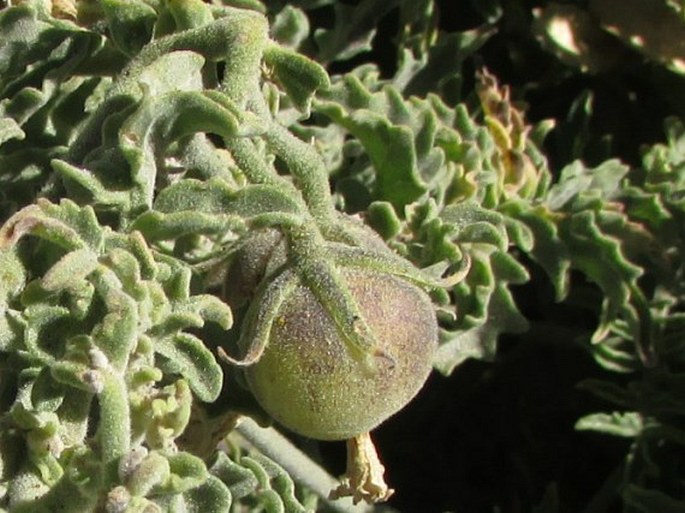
pixel 308 380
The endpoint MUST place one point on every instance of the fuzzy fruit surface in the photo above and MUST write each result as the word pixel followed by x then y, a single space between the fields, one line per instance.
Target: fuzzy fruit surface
pixel 307 379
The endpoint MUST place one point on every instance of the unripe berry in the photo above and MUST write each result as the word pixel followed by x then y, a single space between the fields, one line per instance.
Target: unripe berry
pixel 307 378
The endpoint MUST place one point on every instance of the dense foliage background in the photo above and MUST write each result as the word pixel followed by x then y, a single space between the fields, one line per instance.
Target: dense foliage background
pixel 542 139
pixel 507 429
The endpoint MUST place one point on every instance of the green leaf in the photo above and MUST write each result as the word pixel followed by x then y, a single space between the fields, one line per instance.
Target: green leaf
pixel 9 129
pixel 629 424
pixel 66 225
pixel 576 178
pixel 12 275
pixel 282 484
pixel 290 27
pixel 501 315
pixel 162 75
pixel 391 149
pixel 215 196
pixel 157 226
pixel 189 14
pixel 71 268
pixel 383 219
pixel 161 120
pixel 353 30
pixel 187 472
pixel 209 308
pixel 548 249
pixel 212 495
pixel 117 333
pixel 130 23
pixel 88 181
pixel 299 76
pixel 240 480
pixel 186 355
pixel 439 71
pixel 152 471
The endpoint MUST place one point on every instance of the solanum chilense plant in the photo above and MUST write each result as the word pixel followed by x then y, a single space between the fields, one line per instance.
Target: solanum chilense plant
pixel 203 224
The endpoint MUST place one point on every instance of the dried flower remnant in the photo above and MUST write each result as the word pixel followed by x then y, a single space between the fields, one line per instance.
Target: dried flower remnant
pixel 364 479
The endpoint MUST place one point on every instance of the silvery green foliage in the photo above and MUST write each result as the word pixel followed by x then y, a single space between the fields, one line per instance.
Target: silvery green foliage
pixel 115 199
pixel 437 185
pixel 100 365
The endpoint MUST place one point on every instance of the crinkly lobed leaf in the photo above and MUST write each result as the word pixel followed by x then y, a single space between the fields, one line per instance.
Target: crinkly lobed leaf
pixel 12 275
pixel 188 356
pixel 437 69
pixel 130 23
pixel 257 480
pixel 481 306
pixel 131 300
pixel 299 76
pixel 290 27
pixel 66 225
pixel 211 495
pixel 397 137
pixel 353 29
pixel 417 145
pixel 141 141
pixel 42 102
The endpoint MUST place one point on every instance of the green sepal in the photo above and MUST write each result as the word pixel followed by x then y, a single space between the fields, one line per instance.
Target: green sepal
pixel 256 326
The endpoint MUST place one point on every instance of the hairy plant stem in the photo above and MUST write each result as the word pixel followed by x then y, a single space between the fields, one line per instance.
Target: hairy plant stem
pixel 306 166
pixel 115 421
